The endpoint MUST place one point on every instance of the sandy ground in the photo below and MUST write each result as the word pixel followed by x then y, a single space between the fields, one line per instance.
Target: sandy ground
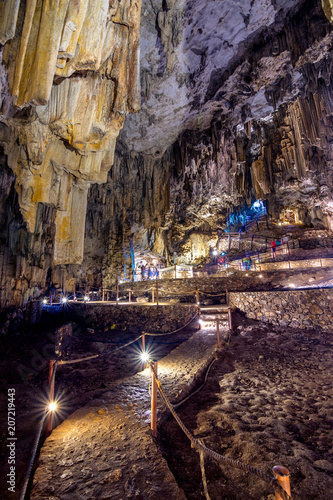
pixel 268 401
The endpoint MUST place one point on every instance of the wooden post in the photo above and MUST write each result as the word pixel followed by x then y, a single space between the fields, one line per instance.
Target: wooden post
pixel 230 318
pixel 74 290
pixel 117 293
pixel 154 401
pixel 197 295
pixel 218 332
pixel 143 346
pixel 282 476
pixel 49 420
pixel 157 297
pixel 199 312
pixel 130 296
pixel 227 297
pixel 153 295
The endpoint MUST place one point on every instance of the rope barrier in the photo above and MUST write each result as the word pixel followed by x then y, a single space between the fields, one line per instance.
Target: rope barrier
pixel 32 457
pixel 211 294
pixel 70 361
pixel 203 474
pixel 87 358
pixel 36 444
pixel 196 444
pixel 177 405
pixel 174 331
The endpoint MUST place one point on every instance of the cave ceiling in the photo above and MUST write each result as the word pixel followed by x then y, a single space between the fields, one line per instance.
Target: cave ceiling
pixel 129 125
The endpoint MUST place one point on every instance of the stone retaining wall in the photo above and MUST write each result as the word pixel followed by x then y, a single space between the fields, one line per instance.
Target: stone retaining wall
pixel 235 280
pixel 132 318
pixel 299 308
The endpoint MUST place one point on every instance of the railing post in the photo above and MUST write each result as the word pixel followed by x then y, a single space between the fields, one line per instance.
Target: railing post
pixel 282 476
pixel 49 420
pixel 227 297
pixel 74 291
pixel 130 296
pixel 153 424
pixel 143 347
pixel 103 294
pixel 152 295
pixel 218 332
pixel 117 293
pixel 157 297
pixel 230 318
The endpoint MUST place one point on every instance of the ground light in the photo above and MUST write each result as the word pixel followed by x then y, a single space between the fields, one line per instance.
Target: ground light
pixel 86 298
pixel 44 301
pixel 64 300
pixel 52 406
pixel 144 357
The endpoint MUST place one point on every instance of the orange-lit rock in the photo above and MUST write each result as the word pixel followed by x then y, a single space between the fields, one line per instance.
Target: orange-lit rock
pixel 73 69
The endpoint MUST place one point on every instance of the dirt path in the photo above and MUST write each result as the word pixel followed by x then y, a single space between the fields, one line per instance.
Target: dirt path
pixel 268 401
pixel 24 367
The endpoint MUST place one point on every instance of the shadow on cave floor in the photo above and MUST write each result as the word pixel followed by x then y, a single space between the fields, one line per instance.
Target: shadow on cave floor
pixel 268 401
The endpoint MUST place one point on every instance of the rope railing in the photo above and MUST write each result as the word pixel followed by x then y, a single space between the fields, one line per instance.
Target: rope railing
pixel 174 331
pixel 199 447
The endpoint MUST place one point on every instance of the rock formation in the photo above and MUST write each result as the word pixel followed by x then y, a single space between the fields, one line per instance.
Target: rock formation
pixel 69 76
pixel 236 105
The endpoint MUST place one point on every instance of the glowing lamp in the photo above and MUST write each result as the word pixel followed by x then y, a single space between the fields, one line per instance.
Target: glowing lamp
pixel 64 300
pixel 260 276
pixel 215 252
pixel 52 406
pixel 86 298
pixel 144 357
pixel 44 301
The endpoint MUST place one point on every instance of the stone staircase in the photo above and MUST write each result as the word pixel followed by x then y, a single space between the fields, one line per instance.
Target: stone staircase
pixel 210 314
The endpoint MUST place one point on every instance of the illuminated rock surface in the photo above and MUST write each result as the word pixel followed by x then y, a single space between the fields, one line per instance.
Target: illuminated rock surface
pixel 236 105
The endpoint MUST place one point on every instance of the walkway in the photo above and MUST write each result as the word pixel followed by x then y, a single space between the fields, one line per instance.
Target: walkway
pixel 105 449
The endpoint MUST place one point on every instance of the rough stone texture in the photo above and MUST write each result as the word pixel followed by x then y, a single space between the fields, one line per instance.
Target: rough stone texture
pixel 298 309
pixel 236 105
pixel 244 114
pixel 69 75
pixel 143 318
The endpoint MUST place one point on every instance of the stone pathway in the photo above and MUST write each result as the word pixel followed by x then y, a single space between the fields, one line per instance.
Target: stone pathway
pixel 105 449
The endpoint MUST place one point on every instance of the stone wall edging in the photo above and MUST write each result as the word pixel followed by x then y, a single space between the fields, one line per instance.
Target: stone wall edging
pixel 306 309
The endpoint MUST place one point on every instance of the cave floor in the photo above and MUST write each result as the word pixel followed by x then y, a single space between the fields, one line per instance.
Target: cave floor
pixel 267 401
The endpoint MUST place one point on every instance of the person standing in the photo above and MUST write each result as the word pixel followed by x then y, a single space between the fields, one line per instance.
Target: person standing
pixel 273 247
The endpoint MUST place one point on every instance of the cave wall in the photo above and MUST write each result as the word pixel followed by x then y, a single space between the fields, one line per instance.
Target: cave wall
pixel 69 74
pixel 236 104
pixel 255 123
